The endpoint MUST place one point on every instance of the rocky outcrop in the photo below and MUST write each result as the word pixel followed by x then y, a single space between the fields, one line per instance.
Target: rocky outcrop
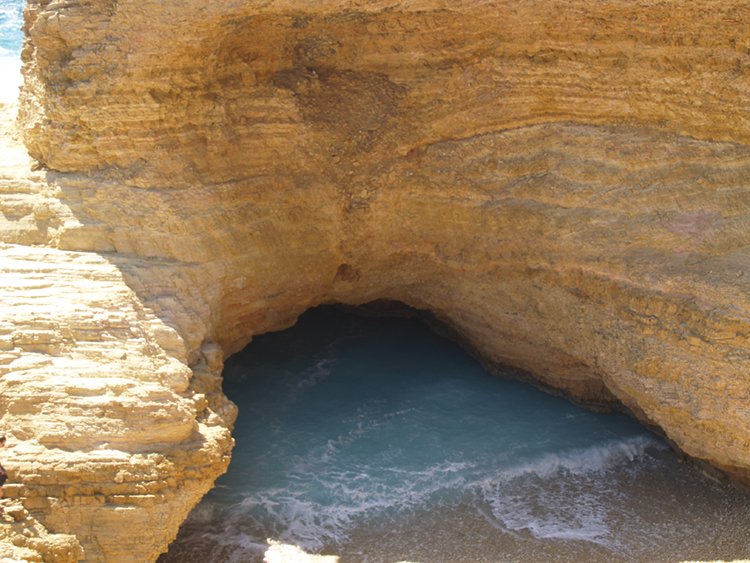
pixel 563 183
pixel 113 434
pixel 22 538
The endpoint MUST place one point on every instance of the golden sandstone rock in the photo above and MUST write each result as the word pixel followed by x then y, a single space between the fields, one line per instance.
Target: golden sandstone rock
pixel 563 182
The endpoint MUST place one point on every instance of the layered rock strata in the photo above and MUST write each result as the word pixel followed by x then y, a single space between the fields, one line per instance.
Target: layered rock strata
pixel 22 538
pixel 563 183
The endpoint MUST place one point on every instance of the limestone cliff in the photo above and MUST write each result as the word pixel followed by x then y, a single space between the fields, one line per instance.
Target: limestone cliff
pixel 565 183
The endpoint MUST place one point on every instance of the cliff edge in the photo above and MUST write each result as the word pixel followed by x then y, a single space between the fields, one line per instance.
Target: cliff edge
pixel 564 183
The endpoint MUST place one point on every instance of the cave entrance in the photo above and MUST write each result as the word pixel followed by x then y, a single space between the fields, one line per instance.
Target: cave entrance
pixel 376 437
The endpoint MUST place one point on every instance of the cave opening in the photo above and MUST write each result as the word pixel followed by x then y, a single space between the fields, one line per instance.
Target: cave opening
pixel 366 435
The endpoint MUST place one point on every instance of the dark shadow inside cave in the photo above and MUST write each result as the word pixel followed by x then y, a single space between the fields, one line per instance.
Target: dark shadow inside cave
pixel 370 437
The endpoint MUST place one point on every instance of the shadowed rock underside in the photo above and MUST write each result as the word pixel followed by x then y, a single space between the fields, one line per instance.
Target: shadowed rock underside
pixel 563 183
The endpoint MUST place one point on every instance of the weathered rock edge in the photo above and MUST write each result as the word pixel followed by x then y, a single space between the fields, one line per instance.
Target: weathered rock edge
pixel 564 183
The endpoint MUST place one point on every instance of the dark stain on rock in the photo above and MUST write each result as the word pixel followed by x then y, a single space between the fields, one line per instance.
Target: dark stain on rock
pixel 350 104
pixel 347 273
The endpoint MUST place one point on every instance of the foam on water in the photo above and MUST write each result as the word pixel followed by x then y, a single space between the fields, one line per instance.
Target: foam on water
pixel 11 38
pixel 320 506
pixel 348 426
pixel 11 19
pixel 595 459
pixel 565 496
pixel 353 429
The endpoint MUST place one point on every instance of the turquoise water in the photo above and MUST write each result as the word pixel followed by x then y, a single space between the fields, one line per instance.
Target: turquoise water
pixel 348 419
pixel 11 37
pixel 379 441
pixel 11 19
pixel 376 438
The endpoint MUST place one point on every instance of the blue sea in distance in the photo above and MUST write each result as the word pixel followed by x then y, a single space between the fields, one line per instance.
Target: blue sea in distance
pixel 11 19
pixel 11 38
pixel 377 440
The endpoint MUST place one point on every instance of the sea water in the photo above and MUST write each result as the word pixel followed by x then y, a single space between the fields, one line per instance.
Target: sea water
pixel 11 18
pixel 378 440
pixel 11 37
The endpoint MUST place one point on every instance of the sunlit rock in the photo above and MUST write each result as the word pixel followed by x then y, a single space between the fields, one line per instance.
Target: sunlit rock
pixel 562 183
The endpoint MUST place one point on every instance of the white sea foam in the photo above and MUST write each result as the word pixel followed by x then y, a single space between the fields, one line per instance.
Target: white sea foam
pixel 368 419
pixel 390 461
pixel 356 497
pixel 312 377
pixel 521 497
pixel 229 537
pixel 241 545
pixel 587 460
pixel 10 45
pixel 563 496
pixel 574 513
pixel 11 18
pixel 284 553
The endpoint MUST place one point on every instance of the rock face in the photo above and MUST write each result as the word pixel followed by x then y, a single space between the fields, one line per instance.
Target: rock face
pixel 22 538
pixel 564 183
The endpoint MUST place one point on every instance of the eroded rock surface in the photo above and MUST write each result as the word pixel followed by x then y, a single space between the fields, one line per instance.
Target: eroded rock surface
pixel 22 538
pixel 564 183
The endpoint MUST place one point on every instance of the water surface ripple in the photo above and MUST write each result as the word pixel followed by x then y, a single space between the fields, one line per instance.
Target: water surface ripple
pixel 377 440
